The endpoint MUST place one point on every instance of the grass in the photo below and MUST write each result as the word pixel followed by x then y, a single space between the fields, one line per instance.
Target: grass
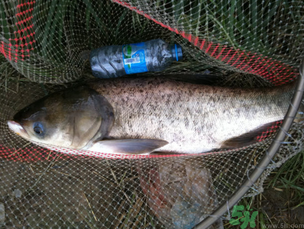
pixel 267 27
pixel 282 201
pixel 239 24
pixel 8 74
pixel 63 31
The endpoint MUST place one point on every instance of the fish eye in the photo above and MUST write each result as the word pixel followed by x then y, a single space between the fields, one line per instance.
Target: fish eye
pixel 38 129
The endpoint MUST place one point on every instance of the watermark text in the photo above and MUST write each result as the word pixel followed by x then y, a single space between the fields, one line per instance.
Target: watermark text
pixel 284 226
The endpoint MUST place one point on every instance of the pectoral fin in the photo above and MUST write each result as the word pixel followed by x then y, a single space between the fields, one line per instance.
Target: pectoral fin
pixel 248 138
pixel 127 146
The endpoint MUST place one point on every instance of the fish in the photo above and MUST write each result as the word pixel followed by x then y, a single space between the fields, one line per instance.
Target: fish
pixel 151 115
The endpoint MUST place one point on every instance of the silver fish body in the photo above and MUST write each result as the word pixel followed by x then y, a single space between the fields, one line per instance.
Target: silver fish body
pixel 144 115
pixel 192 118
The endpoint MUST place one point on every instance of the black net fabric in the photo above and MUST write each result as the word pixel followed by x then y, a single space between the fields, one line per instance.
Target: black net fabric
pixel 45 46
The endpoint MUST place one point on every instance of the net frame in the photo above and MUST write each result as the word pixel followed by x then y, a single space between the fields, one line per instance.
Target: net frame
pixel 232 58
pixel 270 153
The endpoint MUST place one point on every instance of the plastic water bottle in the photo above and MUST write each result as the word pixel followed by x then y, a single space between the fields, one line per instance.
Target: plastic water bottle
pixel 118 60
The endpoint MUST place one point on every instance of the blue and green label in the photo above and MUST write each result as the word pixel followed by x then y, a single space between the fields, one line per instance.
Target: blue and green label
pixel 134 58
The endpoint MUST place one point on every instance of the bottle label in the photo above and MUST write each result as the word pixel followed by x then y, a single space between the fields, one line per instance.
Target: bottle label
pixel 134 59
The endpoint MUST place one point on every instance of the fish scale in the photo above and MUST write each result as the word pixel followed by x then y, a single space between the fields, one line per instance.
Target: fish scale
pixel 193 118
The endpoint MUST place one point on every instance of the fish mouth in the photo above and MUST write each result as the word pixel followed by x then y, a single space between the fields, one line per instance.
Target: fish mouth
pixel 17 129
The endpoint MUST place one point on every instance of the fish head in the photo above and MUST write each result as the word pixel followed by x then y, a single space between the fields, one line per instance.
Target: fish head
pixel 72 118
pixel 30 123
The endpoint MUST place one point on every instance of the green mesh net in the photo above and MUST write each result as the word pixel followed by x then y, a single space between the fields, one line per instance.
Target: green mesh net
pixel 45 46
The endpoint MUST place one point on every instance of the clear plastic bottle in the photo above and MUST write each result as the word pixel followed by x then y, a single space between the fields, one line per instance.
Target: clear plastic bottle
pixel 118 60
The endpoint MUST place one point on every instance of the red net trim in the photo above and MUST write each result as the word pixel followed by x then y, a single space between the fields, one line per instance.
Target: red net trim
pixel 269 131
pixel 20 46
pixel 274 71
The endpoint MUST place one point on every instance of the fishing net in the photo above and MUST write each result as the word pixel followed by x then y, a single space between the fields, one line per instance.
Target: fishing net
pixel 44 46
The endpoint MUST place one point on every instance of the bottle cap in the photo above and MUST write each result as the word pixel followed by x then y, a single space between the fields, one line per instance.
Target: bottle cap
pixel 177 52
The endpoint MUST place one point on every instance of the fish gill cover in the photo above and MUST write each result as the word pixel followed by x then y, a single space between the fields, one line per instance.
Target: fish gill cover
pixel 244 43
